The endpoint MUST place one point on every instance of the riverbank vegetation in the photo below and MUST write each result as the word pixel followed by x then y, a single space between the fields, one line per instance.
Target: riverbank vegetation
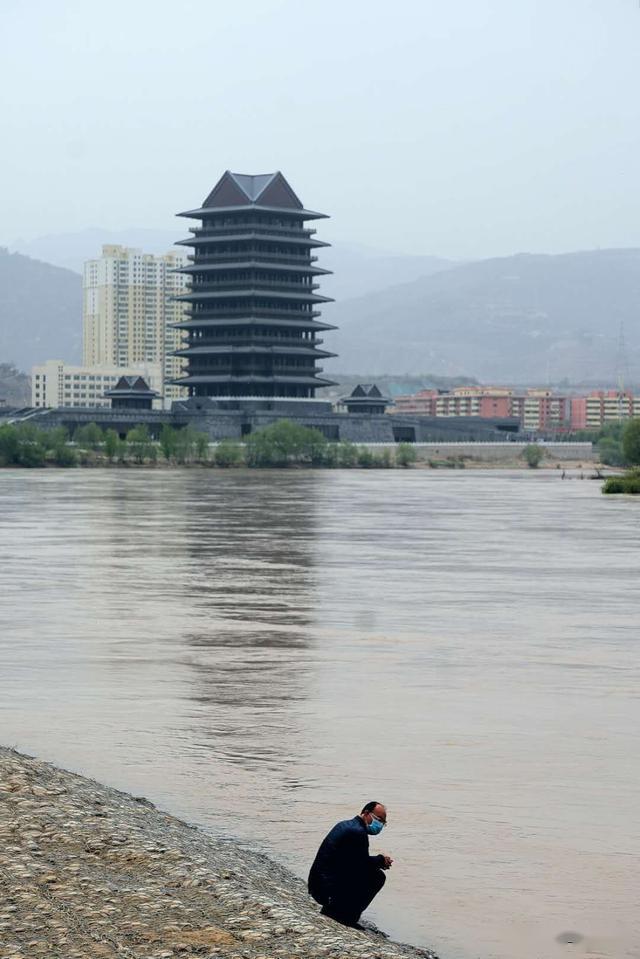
pixel 607 442
pixel 628 482
pixel 283 444
pixel 533 455
pixel 629 453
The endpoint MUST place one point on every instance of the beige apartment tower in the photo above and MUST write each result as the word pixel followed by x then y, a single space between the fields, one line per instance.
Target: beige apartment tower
pixel 128 312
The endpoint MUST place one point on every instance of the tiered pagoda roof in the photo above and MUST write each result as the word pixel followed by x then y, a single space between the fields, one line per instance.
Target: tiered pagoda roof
pixel 131 392
pixel 366 398
pixel 252 327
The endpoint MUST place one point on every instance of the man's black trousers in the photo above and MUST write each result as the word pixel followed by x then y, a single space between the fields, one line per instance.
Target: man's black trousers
pixel 346 904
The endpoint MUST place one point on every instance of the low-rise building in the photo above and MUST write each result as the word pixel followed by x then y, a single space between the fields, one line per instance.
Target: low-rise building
pixel 606 406
pixel 537 410
pixel 541 409
pixel 578 412
pixel 422 402
pixel 484 401
pixel 58 384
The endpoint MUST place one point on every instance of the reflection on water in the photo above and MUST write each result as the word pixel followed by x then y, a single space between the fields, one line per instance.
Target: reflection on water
pixel 263 652
pixel 255 589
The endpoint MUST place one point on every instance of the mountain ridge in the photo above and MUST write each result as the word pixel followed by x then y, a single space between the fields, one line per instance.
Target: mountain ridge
pixel 356 269
pixel 40 312
pixel 523 318
pixel 526 317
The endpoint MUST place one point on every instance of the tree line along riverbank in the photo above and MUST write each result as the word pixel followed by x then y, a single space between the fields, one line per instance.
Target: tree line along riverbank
pixel 283 444
pixel 87 872
pixel 280 445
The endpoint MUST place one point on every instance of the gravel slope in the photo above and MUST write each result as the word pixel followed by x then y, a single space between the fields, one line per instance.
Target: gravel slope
pixel 86 871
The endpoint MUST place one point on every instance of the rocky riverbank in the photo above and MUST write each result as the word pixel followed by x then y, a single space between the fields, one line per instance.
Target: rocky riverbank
pixel 87 872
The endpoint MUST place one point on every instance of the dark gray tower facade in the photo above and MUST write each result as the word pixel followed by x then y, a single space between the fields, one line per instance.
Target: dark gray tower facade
pixel 252 326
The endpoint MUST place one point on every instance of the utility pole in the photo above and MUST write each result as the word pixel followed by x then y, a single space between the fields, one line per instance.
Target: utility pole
pixel 622 370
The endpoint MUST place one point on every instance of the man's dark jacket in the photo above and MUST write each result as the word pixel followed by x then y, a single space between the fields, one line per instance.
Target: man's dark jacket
pixel 342 861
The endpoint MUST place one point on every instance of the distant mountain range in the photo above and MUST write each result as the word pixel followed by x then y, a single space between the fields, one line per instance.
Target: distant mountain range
pixel 525 318
pixel 518 319
pixel 40 312
pixel 357 270
pixel 70 250
pixel 15 386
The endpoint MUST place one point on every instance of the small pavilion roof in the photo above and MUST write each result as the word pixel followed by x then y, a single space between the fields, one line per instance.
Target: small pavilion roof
pixel 367 390
pixel 131 386
pixel 365 396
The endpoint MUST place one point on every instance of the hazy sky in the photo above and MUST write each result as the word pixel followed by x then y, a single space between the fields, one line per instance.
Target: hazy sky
pixel 456 127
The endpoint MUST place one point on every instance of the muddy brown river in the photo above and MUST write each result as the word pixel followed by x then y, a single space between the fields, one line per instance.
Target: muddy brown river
pixel 263 652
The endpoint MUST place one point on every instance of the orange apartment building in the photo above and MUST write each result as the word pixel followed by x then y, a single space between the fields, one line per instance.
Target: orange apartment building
pixel 538 410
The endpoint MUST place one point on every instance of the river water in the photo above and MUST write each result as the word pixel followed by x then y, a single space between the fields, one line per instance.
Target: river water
pixel 263 652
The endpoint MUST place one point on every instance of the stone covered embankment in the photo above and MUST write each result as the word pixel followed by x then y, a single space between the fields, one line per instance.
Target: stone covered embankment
pixel 89 872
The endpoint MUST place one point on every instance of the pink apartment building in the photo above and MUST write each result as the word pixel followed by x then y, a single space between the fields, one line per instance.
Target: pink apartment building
pixel 538 410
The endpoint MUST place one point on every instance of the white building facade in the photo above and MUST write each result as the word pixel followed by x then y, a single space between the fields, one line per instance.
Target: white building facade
pixel 56 383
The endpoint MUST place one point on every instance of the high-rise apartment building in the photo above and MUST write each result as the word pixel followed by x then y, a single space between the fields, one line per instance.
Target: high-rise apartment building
pixel 128 312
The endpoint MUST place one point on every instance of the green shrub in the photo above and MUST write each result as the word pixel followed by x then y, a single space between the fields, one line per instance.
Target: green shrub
pixel 366 459
pixel 331 455
pixel 629 483
pixel 406 455
pixel 285 444
pixel 168 442
pixel 65 456
pixel 614 484
pixel 89 436
pixel 54 439
pixel 610 451
pixel 9 445
pixel 31 454
pixel 228 454
pixel 533 454
pixel 631 442
pixel 112 444
pixel 201 441
pixel 185 446
pixel 347 455
pixel 27 445
pixel 140 444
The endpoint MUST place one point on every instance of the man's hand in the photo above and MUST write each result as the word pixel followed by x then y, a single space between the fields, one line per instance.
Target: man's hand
pixel 388 862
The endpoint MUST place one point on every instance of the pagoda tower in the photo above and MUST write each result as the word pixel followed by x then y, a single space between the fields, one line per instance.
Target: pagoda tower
pixel 252 325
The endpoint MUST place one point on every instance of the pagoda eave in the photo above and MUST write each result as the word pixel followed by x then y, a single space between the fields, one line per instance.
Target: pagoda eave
pixel 197 241
pixel 253 265
pixel 227 378
pixel 297 324
pixel 249 292
pixel 296 212
pixel 310 351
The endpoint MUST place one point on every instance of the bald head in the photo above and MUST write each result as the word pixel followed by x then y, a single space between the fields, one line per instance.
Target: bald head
pixel 374 812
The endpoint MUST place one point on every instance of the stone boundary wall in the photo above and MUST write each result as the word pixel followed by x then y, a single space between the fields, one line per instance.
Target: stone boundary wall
pixel 486 452
pixel 495 452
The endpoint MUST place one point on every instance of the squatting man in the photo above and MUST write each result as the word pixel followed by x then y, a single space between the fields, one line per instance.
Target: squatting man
pixel 344 878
